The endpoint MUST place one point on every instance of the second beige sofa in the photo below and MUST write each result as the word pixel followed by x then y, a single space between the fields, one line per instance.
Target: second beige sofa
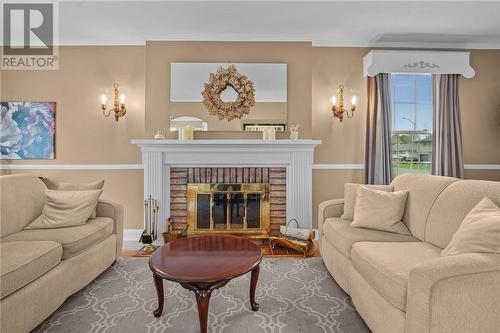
pixel 400 283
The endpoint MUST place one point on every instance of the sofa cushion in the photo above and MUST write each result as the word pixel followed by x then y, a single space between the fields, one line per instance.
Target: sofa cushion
pixel 342 235
pixel 386 266
pixel 23 262
pixel 423 191
pixel 380 210
pixel 73 239
pixel 351 193
pixel 66 209
pixel 97 185
pixel 479 231
pixel 453 204
pixel 22 199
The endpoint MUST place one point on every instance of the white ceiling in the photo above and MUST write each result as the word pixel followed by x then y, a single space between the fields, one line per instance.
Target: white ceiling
pixel 445 24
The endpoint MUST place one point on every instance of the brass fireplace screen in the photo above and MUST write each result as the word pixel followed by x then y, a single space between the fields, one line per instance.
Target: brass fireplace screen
pixel 228 208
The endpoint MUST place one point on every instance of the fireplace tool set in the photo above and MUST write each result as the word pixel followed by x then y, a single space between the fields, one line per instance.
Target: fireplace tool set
pixel 150 234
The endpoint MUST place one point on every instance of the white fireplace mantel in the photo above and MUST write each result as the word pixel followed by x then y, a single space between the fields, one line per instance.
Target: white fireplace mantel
pixel 158 156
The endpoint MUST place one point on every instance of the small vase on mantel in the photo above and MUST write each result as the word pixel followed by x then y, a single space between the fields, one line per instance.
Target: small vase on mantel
pixel 294 131
pixel 160 135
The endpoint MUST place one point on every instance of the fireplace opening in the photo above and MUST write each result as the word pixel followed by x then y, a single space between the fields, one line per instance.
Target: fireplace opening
pixel 228 208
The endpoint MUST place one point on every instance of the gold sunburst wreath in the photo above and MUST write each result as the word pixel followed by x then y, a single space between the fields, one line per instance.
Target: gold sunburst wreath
pixel 223 79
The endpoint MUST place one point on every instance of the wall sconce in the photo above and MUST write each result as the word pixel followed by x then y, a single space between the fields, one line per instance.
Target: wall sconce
pixel 118 104
pixel 338 107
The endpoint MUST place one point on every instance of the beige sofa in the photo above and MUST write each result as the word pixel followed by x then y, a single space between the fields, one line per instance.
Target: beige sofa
pixel 40 268
pixel 400 283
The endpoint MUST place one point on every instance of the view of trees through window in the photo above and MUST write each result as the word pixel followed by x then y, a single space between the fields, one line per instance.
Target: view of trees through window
pixel 411 141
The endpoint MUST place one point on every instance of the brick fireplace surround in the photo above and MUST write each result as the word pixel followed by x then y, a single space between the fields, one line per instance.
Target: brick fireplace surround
pixel 276 177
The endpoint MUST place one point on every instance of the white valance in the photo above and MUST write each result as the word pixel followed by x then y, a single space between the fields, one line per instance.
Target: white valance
pixel 416 62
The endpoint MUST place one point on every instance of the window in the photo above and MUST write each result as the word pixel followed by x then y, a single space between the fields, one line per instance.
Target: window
pixel 411 140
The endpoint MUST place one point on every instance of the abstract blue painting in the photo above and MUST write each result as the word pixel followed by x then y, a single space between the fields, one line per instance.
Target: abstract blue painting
pixel 27 130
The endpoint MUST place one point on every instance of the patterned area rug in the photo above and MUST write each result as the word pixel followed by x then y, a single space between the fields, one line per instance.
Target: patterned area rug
pixel 295 295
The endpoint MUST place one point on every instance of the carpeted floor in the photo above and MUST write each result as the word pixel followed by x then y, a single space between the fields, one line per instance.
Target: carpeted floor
pixel 295 295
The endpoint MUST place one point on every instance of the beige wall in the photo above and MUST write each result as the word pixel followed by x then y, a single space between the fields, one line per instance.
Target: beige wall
pixel 344 143
pixel 314 73
pixel 159 55
pixel 83 135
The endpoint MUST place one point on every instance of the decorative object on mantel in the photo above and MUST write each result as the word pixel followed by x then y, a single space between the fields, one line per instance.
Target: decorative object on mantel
pixel 185 133
pixel 160 134
pixel 226 78
pixel 268 133
pixel 297 239
pixel 338 107
pixel 260 127
pixel 150 234
pixel 118 104
pixel 294 131
pixel 28 130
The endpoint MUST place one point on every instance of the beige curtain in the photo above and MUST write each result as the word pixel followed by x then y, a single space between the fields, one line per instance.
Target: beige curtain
pixel 447 153
pixel 378 166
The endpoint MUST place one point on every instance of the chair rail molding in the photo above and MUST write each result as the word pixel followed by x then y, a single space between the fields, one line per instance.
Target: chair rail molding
pixel 315 166
pixel 158 156
pixel 53 166
pixel 417 62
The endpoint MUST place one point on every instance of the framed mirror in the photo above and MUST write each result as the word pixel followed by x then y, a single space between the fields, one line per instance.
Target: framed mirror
pixel 187 82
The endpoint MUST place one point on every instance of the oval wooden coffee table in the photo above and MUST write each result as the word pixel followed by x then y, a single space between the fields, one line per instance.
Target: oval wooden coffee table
pixel 203 264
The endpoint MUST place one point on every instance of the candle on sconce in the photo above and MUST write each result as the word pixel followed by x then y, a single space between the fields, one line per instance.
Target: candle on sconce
pixel 122 99
pixel 103 100
pixel 354 100
pixel 334 100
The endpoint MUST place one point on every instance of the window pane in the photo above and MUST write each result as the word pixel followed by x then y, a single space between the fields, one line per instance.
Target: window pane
pixel 403 88
pixel 403 112
pixel 411 153
pixel 424 88
pixel 424 117
pixel 411 141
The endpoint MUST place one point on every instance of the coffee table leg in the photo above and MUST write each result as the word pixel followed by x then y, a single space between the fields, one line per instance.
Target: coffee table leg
pixel 203 298
pixel 253 286
pixel 159 291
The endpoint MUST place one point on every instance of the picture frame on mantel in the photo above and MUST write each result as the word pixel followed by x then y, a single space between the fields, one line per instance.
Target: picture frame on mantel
pixel 28 130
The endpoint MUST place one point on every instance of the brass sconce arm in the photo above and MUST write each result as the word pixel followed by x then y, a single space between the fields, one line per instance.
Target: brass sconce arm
pixel 338 106
pixel 118 104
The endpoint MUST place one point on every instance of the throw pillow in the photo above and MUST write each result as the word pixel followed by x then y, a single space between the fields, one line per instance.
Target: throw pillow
pixel 350 194
pixel 380 210
pixel 66 209
pixel 98 185
pixel 479 231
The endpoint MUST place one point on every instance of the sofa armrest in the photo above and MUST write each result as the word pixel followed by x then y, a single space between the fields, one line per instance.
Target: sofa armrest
pixel 458 293
pixel 107 208
pixel 329 208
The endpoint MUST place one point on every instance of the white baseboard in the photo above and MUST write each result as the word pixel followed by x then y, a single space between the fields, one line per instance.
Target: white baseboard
pixel 132 234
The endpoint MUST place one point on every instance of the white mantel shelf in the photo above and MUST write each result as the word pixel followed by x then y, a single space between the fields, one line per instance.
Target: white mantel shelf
pixel 263 144
pixel 158 156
